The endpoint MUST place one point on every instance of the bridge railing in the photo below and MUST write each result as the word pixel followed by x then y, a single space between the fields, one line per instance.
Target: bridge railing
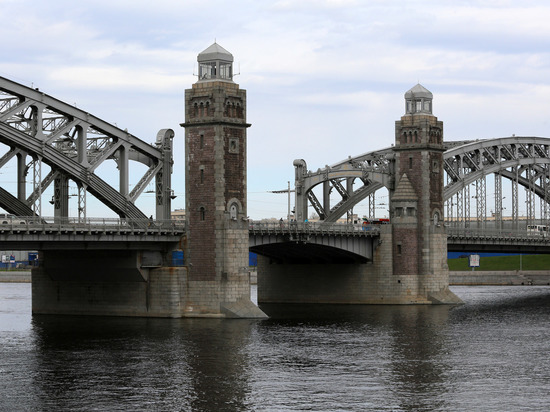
pixel 497 234
pixel 34 224
pixel 312 227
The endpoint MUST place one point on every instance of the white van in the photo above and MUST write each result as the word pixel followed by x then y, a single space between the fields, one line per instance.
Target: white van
pixel 8 219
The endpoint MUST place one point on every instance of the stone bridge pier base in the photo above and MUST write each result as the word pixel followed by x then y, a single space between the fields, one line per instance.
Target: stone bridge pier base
pixel 370 283
pixel 134 283
pixel 111 283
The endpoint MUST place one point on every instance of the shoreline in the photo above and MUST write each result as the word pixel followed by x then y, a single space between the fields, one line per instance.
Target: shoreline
pixel 15 276
pixel 456 278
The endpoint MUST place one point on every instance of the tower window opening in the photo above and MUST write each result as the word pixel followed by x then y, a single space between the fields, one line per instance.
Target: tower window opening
pixel 201 140
pixel 398 249
pixel 418 105
pixel 207 70
pixel 202 174
pixel 225 71
pixel 202 213
pixel 410 162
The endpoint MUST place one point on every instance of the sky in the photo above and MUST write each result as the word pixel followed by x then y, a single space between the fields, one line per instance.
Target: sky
pixel 325 79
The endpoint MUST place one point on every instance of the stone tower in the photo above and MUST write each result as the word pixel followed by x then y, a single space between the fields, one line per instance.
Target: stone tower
pixel 216 250
pixel 419 237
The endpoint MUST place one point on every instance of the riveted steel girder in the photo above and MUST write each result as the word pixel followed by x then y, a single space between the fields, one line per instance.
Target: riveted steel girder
pixel 74 143
pixel 465 163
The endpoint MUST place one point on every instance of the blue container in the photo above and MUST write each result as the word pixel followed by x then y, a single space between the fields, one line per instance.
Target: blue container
pixel 252 259
pixel 177 258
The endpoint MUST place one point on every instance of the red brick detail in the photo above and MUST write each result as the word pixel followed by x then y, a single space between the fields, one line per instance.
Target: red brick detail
pixel 406 242
pixel 235 164
pixel 200 194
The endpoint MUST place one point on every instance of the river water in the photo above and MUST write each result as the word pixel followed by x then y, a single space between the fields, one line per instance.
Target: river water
pixel 490 354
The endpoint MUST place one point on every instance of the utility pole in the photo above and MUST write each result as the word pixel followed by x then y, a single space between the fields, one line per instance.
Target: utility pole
pixel 285 191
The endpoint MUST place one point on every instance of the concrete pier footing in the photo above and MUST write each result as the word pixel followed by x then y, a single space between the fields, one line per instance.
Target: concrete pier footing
pixel 167 292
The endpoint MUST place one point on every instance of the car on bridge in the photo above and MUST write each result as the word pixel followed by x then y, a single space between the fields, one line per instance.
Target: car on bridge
pixel 8 219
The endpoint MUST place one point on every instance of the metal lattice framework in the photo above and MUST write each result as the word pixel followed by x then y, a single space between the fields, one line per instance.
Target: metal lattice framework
pixel 523 161
pixel 372 170
pixel 39 129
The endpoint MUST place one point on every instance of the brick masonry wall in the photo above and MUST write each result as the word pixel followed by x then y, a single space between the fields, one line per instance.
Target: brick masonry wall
pixel 200 182
pixel 406 262
pixel 235 165
pixel 218 248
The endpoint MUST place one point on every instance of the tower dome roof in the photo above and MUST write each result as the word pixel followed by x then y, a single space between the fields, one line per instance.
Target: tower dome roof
pixel 215 52
pixel 419 91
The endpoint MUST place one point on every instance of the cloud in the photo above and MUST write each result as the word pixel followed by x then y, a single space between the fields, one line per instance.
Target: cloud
pixel 325 78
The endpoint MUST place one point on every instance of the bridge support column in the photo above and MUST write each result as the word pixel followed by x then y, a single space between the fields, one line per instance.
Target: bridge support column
pixel 107 283
pixel 21 175
pixel 61 196
pixel 215 192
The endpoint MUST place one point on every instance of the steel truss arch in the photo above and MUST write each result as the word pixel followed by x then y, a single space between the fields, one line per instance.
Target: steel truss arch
pixel 73 143
pixel 471 161
pixel 373 170
pixel 465 162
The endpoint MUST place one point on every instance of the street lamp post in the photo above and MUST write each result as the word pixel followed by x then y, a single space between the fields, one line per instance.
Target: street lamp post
pixel 289 192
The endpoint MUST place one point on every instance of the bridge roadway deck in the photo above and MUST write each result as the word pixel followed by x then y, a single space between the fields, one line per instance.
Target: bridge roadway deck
pixel 315 242
pixel 33 233
pixel 474 239
pixel 310 242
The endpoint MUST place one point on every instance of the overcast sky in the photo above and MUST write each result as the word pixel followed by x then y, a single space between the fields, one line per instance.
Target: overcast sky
pixel 325 79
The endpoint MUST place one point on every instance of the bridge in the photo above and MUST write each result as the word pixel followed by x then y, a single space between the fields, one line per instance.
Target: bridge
pixel 73 233
pixel 52 143
pixel 469 167
pixel 318 242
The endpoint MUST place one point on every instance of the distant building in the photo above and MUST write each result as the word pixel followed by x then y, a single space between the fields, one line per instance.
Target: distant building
pixel 178 215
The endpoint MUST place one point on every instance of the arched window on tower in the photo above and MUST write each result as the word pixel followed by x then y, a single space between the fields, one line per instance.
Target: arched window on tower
pixel 202 213
pixel 233 211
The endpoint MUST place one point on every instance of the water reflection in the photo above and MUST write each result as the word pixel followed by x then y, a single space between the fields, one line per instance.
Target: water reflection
pixel 397 351
pixel 417 356
pixel 305 357
pixel 150 363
